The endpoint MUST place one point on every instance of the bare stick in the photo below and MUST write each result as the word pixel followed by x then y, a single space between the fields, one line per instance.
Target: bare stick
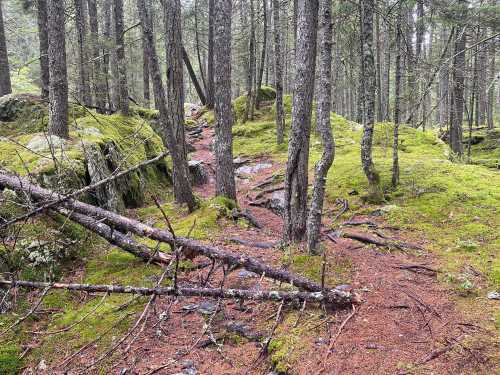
pixel 339 331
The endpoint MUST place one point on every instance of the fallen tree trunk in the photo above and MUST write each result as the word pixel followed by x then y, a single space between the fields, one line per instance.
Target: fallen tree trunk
pixel 191 247
pixel 259 295
pixel 116 238
pixel 369 239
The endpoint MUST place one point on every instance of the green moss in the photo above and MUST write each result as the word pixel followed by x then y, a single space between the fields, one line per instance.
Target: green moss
pixel 9 359
pixel 338 270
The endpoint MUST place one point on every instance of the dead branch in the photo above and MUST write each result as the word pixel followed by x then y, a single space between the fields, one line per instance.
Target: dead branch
pixel 246 214
pixel 116 238
pixel 418 268
pixel 260 245
pixel 269 191
pixel 126 224
pixel 261 295
pixel 369 239
pixel 339 331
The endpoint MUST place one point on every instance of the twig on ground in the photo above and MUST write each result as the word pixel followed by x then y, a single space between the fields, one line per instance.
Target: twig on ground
pixel 339 331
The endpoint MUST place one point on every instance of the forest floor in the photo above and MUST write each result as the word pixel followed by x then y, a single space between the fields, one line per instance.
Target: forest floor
pixel 415 318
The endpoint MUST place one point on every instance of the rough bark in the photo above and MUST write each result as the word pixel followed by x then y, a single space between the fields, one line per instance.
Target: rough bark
pixel 83 74
pixel 190 248
pixel 243 294
pixel 458 71
pixel 250 86
pixel 5 85
pixel 443 88
pixel 368 72
pixel 397 101
pixel 210 57
pixel 197 41
pixel 491 87
pixel 43 39
pixel 99 84
pixel 482 79
pixel 378 65
pixel 223 147
pixel 108 52
pixel 123 105
pixel 58 84
pixel 323 125
pixel 180 171
pixel 278 73
pixel 296 179
pixel 386 86
pixel 262 54
pixel 410 65
pixel 145 75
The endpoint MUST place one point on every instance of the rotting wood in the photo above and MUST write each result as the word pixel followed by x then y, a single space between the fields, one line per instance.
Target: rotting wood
pixel 259 295
pixel 246 214
pixel 195 248
pixel 369 239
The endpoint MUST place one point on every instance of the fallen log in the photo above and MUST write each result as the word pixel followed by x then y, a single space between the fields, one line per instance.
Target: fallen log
pixel 369 239
pixel 116 238
pixel 189 247
pixel 246 214
pixel 259 245
pixel 258 295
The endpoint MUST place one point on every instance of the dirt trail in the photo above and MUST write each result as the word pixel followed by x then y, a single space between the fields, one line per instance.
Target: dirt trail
pixel 404 317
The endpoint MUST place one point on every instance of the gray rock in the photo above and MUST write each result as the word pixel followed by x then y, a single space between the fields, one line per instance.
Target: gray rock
pixel 252 169
pixel 244 274
pixel 277 202
pixel 199 175
pixel 207 308
pixel 45 143
pixel 190 307
pixel 493 295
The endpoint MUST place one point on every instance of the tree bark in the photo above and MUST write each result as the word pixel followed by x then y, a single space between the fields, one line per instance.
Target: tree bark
pixel 243 294
pixel 378 65
pixel 296 177
pixel 5 85
pixel 224 169
pixel 374 193
pixel 263 54
pixel 210 57
pixel 83 74
pixel 58 87
pixel 491 87
pixel 108 53
pixel 99 78
pixel 458 88
pixel 278 73
pixel 397 101
pixel 443 97
pixel 323 126
pixel 123 105
pixel 482 79
pixel 251 94
pixel 181 182
pixel 145 75
pixel 43 39
pixel 192 75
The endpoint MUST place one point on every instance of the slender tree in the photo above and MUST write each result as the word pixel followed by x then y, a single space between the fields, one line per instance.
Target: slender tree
pixel 278 73
pixel 83 74
pixel 99 84
pixel 5 85
pixel 263 52
pixel 296 178
pixel 251 94
pixel 458 72
pixel 182 187
pixel 120 54
pixel 43 39
pixel 223 147
pixel 210 57
pixel 397 100
pixel 58 86
pixel 491 87
pixel 323 126
pixel 368 72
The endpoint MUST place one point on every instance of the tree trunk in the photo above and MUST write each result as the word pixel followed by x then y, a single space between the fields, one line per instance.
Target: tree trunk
pixel 250 102
pixel 458 90
pixel 182 186
pixel 278 73
pixel 121 62
pixel 412 91
pixel 323 126
pixel 58 86
pixel 491 87
pixel 99 78
pixel 296 178
pixel 397 101
pixel 482 78
pixel 145 75
pixel 5 85
pixel 387 73
pixel 192 75
pixel 224 168
pixel 262 55
pixel 378 65
pixel 83 74
pixel 108 52
pixel 198 54
pixel 374 193
pixel 210 57
pixel 43 38
pixel 443 102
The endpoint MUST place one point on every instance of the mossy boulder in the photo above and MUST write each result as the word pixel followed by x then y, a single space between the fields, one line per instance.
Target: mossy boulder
pixel 99 145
